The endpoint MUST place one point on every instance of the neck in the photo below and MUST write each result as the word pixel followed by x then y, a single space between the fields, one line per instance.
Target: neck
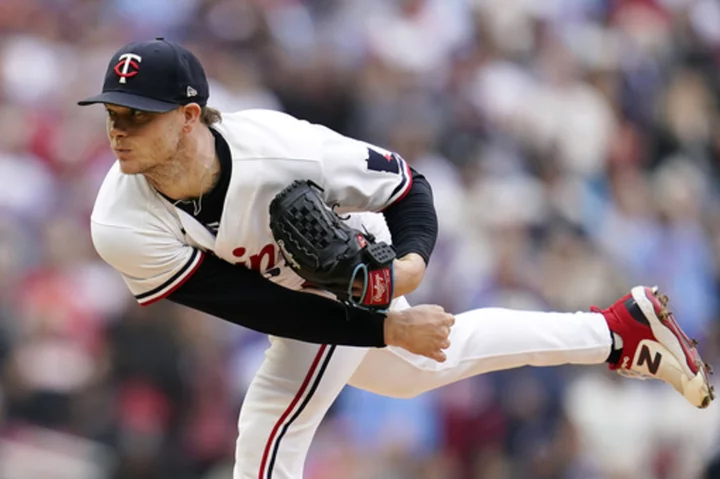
pixel 192 172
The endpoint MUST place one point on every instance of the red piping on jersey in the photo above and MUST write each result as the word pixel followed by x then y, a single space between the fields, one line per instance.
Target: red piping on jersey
pixel 182 281
pixel 301 391
pixel 407 187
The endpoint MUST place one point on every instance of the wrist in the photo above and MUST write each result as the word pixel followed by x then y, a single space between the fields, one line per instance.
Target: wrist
pixel 390 327
pixel 408 273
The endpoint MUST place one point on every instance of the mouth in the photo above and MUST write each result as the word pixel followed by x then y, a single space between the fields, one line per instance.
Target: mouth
pixel 121 151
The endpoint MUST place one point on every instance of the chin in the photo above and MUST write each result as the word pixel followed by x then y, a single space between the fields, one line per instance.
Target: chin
pixel 129 167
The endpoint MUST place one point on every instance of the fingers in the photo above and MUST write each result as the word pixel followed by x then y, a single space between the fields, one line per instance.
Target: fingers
pixel 448 322
pixel 433 333
pixel 438 356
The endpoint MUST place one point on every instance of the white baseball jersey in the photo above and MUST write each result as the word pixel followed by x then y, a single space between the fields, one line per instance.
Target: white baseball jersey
pixel 157 246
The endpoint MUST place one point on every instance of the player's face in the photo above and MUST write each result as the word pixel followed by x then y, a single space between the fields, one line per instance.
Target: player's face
pixel 142 140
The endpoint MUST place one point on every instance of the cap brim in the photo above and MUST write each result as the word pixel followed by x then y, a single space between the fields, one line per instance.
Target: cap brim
pixel 129 100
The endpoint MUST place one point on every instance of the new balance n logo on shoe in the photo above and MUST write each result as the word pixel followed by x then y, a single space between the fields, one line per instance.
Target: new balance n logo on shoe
pixel 653 364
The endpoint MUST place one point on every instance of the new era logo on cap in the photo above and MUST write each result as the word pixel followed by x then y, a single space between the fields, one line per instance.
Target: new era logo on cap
pixel 156 76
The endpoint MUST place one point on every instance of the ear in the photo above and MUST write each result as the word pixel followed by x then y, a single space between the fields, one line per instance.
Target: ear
pixel 191 116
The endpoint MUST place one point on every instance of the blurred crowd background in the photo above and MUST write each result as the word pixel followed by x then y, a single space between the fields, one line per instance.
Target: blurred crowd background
pixel 574 151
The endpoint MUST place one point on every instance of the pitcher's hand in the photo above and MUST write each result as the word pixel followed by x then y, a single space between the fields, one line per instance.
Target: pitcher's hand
pixel 422 330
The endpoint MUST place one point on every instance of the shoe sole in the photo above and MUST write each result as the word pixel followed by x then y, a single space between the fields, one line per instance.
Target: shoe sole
pixel 696 384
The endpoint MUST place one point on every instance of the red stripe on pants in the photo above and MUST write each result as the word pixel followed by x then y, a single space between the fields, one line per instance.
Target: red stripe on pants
pixel 301 391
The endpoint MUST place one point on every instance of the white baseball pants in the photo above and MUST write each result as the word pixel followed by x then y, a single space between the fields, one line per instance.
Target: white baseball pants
pixel 297 382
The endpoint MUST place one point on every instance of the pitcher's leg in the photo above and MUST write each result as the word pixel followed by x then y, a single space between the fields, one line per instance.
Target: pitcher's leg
pixel 285 403
pixel 637 335
pixel 485 340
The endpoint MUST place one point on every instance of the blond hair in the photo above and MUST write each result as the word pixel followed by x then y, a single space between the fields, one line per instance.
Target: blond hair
pixel 209 116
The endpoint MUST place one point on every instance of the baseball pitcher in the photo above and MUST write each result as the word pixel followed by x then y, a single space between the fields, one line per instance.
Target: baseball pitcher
pixel 243 215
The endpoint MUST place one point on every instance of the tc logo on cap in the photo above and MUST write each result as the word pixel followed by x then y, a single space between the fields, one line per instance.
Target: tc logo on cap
pixel 123 68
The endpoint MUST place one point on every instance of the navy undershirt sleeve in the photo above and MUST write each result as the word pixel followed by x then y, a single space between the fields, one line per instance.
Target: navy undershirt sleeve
pixel 242 296
pixel 413 221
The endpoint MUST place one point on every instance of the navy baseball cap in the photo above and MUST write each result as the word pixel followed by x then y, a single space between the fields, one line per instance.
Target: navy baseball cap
pixel 155 76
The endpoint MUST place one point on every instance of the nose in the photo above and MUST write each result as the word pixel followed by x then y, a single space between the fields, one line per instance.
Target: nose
pixel 117 132
pixel 116 129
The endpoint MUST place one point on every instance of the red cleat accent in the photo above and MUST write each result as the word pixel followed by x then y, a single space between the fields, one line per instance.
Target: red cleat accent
pixel 654 345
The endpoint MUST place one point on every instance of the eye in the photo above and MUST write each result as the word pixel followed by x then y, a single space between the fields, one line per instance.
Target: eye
pixel 138 114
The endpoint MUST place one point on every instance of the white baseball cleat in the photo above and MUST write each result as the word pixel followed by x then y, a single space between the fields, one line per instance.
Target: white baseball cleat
pixel 654 346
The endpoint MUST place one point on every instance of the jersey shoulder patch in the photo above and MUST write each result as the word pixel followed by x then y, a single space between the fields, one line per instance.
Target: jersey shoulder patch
pixel 383 161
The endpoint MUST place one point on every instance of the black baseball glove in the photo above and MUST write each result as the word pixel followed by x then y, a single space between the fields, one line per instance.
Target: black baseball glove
pixel 326 252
